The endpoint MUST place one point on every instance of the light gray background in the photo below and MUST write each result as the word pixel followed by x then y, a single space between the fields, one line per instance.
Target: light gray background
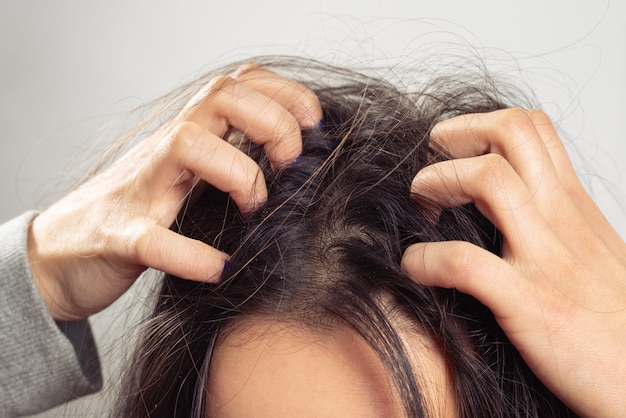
pixel 68 67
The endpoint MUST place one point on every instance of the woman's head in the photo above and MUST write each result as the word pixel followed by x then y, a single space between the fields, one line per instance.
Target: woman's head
pixel 313 308
pixel 265 367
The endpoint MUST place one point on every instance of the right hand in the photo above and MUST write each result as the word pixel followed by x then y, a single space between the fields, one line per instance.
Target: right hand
pixel 90 246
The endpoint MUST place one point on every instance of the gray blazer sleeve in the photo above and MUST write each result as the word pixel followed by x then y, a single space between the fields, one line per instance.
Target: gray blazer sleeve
pixel 43 363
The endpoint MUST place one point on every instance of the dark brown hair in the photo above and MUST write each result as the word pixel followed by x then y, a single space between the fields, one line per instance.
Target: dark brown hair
pixel 326 248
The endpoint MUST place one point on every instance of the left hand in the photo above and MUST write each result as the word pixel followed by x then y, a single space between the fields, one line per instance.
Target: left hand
pixel 559 289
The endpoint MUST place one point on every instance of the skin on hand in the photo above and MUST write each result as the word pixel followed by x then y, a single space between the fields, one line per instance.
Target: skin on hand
pixel 559 289
pixel 91 245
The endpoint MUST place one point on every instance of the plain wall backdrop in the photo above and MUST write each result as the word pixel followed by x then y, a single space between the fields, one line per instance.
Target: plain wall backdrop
pixel 69 67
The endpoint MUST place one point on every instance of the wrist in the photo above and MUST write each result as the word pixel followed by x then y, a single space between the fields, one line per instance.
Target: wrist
pixel 47 276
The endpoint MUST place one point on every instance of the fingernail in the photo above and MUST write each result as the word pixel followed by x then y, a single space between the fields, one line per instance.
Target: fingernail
pixel 297 160
pixel 225 269
pixel 321 123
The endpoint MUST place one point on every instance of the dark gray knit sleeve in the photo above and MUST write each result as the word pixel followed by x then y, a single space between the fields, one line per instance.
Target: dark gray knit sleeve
pixel 43 363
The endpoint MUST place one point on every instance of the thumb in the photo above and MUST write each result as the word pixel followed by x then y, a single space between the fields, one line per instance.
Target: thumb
pixel 468 268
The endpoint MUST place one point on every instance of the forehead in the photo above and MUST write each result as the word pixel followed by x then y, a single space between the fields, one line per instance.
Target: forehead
pixel 278 370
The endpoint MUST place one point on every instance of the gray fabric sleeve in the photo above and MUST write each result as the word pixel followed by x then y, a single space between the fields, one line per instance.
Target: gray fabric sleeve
pixel 43 363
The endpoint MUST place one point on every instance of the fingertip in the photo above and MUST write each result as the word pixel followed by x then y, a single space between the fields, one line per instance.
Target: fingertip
pixel 438 130
pixel 168 251
pixel 412 260
pixel 285 149
pixel 225 269
pixel 312 121
pixel 309 111
pixel 315 132
pixel 435 130
pixel 247 187
pixel 284 163
pixel 218 270
pixel 255 200
pixel 422 181
pixel 417 183
pixel 311 117
pixel 413 249
pixel 209 267
pixel 297 98
pixel 443 263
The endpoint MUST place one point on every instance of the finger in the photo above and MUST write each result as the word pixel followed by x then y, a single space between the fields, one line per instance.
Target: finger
pixel 229 103
pixel 493 186
pixel 555 148
pixel 191 149
pixel 529 143
pixel 471 270
pixel 167 251
pixel 581 200
pixel 510 133
pixel 298 99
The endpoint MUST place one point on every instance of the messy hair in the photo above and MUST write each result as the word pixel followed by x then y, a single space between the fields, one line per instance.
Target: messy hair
pixel 325 251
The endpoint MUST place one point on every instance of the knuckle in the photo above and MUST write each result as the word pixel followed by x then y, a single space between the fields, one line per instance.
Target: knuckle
pixel 491 164
pixel 137 241
pixel 183 135
pixel 246 68
pixel 494 159
pixel 460 262
pixel 179 143
pixel 539 117
pixel 493 176
pixel 517 120
pixel 219 83
pixel 214 86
